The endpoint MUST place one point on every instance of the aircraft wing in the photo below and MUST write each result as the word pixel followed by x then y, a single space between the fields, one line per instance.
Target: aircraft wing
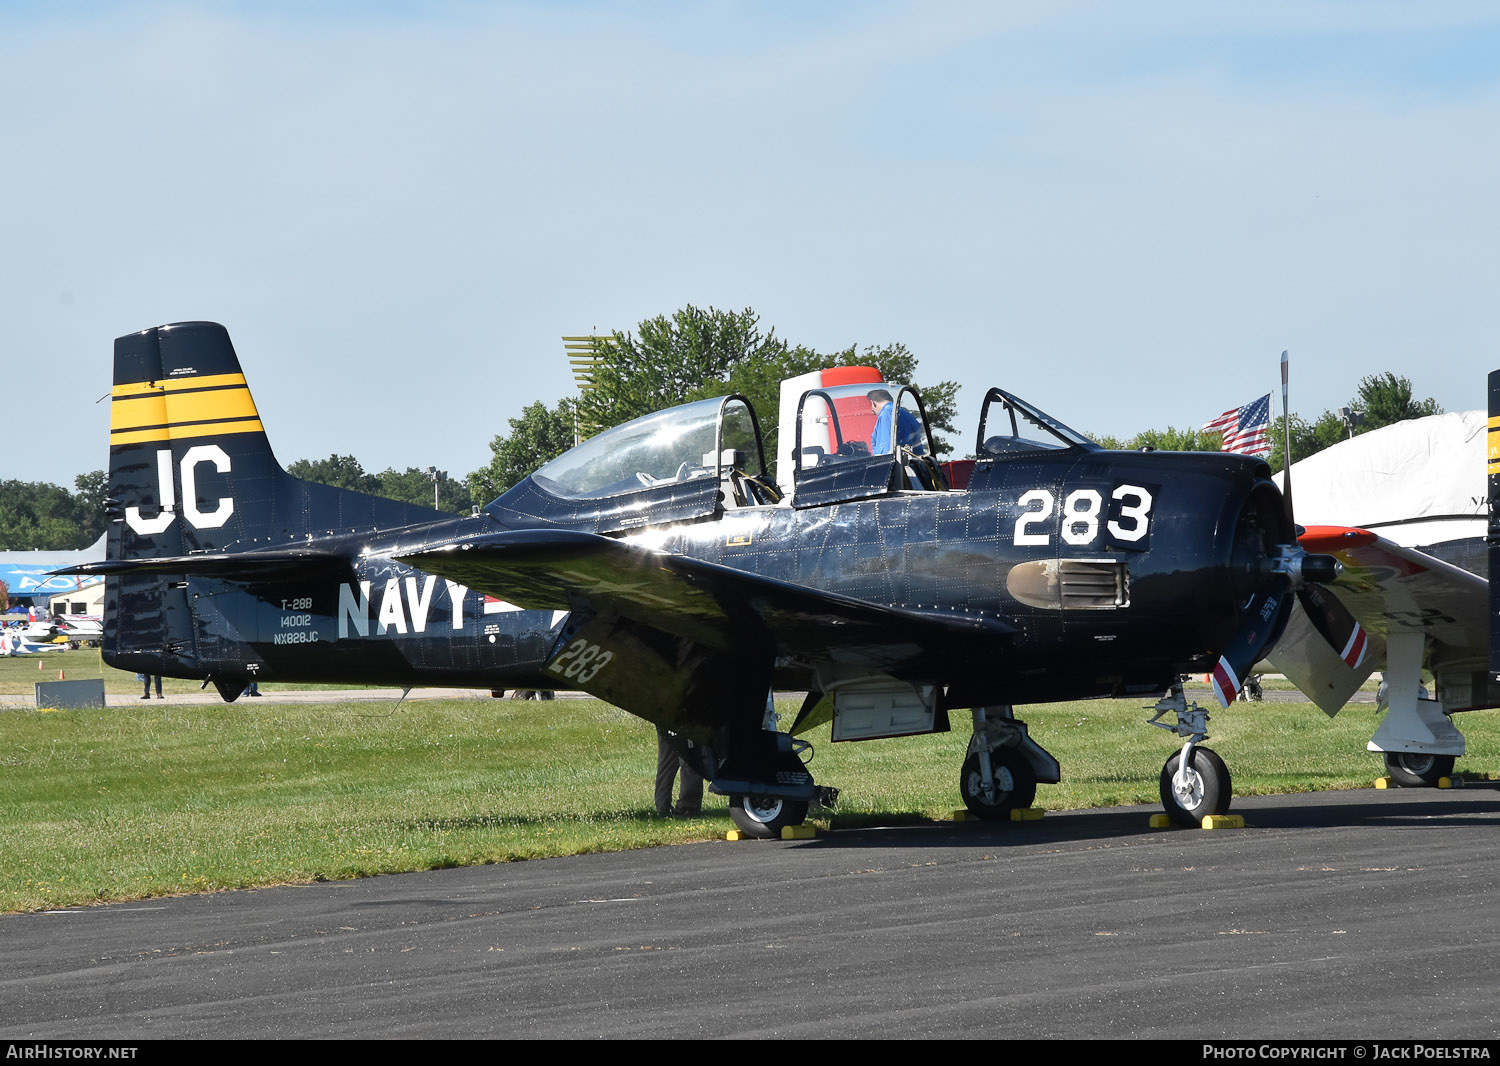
pixel 664 635
pixel 1387 588
pixel 718 606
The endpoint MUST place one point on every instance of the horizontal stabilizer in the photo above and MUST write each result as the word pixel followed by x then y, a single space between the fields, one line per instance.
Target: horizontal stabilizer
pixel 239 566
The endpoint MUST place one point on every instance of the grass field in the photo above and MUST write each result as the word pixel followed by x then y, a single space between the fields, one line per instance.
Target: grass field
pixel 19 675
pixel 157 798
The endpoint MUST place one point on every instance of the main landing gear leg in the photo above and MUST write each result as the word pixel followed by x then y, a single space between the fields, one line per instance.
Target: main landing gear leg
pixel 766 811
pixel 1003 765
pixel 1194 782
pixel 1418 740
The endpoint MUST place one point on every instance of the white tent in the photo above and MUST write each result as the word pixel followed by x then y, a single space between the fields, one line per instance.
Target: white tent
pixel 1416 483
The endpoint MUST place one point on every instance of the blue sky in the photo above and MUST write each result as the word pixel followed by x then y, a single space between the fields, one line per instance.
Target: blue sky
pixel 1122 211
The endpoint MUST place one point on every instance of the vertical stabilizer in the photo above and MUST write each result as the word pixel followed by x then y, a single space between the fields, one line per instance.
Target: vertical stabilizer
pixel 190 468
pixel 191 471
pixel 183 427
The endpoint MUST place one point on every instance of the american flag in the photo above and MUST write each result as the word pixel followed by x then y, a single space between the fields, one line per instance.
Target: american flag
pixel 1245 429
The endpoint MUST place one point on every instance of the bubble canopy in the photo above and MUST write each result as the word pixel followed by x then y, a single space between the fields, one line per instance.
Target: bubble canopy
pixel 694 441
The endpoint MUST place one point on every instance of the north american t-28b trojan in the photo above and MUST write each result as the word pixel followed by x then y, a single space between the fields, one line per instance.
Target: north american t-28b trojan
pixel 662 566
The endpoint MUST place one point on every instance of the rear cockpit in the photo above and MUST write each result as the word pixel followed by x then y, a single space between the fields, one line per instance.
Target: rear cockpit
pixel 710 440
pixel 685 463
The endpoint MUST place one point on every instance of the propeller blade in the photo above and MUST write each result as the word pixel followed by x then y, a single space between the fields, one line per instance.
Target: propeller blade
pixel 1308 661
pixel 1261 624
pixel 1335 624
pixel 1286 443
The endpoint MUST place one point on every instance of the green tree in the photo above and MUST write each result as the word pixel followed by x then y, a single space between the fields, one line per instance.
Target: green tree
pixel 89 491
pixel 415 487
pixel 695 354
pixel 412 485
pixel 670 360
pixel 1307 438
pixel 1173 439
pixel 340 471
pixel 1381 400
pixel 39 516
pixel 1170 439
pixel 1385 399
pixel 540 435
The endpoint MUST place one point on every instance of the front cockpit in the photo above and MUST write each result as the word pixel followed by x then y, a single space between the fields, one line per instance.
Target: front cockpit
pixel 855 441
pixel 854 421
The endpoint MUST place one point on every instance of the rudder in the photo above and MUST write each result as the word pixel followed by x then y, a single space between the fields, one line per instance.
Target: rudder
pixel 189 458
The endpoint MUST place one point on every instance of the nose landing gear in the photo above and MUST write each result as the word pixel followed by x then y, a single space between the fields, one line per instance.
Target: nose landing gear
pixel 1194 782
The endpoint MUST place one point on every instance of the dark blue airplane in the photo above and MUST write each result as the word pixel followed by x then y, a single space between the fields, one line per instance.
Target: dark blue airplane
pixel 662 567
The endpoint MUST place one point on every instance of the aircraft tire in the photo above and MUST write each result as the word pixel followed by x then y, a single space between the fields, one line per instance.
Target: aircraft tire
pixel 1210 784
pixel 1015 785
pixel 764 817
pixel 1413 769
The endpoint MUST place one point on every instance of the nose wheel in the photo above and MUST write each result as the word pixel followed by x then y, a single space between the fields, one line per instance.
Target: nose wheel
pixel 1202 789
pixel 1199 787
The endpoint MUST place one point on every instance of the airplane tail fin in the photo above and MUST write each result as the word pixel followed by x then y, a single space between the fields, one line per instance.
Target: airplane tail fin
pixel 188 456
pixel 190 467
pixel 196 498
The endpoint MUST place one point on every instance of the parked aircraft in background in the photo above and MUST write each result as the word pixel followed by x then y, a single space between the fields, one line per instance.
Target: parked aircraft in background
pixel 72 631
pixel 1411 505
pixel 661 567
pixel 14 642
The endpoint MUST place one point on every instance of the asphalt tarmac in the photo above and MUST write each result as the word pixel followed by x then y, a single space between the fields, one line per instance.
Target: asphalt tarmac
pixel 1344 915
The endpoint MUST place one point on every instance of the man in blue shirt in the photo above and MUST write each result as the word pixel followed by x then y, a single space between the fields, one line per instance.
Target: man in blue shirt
pixel 908 431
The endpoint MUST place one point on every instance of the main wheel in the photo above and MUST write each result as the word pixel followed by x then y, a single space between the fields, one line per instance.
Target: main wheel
pixel 1207 791
pixel 1015 785
pixel 1413 769
pixel 764 817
